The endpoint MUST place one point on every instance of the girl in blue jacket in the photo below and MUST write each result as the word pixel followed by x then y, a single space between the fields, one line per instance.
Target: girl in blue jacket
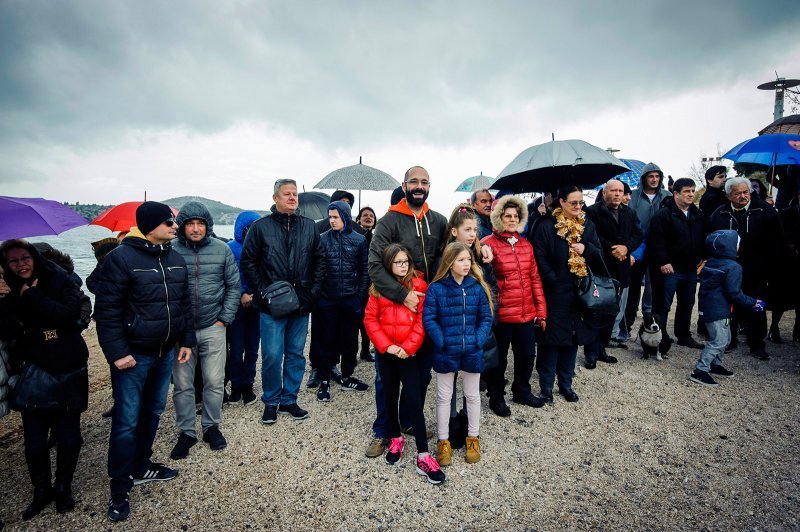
pixel 458 319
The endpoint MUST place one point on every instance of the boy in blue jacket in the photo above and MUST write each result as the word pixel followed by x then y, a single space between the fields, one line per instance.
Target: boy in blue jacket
pixel 720 289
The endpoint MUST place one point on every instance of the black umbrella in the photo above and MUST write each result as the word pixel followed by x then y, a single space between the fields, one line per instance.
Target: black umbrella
pixel 314 205
pixel 787 124
pixel 546 167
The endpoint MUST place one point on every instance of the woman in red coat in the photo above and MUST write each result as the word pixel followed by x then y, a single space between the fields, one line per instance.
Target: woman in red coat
pixel 521 306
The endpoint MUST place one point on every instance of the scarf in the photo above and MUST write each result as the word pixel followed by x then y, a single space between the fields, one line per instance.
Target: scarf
pixel 571 229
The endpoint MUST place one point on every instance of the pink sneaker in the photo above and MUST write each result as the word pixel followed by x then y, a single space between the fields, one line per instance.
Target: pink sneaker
pixel 395 449
pixel 429 467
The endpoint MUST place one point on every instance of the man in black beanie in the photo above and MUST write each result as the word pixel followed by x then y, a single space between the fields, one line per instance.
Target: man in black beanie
pixel 714 196
pixel 142 310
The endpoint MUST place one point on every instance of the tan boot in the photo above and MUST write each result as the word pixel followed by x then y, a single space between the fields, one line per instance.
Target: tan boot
pixel 444 453
pixel 473 449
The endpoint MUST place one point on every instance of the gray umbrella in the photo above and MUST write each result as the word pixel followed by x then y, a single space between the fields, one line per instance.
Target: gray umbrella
pixel 358 177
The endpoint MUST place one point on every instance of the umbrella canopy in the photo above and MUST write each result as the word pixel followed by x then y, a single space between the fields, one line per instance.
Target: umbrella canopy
pixel 768 150
pixel 121 217
pixel 358 177
pixel 631 178
pixel 546 167
pixel 314 205
pixel 788 124
pixel 24 217
pixel 476 182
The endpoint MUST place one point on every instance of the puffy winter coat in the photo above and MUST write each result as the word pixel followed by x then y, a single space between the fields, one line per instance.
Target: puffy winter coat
pixel 142 302
pixel 644 207
pixel 283 247
pixel 243 222
pixel 389 323
pixel 458 320
pixel 612 231
pixel 214 288
pixel 675 238
pixel 721 278
pixel 519 288
pixel 345 255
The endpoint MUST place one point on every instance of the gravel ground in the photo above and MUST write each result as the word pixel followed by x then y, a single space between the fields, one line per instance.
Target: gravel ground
pixel 643 449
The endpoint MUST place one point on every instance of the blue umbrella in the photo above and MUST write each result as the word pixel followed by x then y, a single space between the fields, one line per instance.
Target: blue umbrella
pixel 632 178
pixel 476 182
pixel 768 150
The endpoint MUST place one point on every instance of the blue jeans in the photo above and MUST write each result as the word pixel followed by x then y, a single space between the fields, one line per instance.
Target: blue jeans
pixel 244 334
pixel 719 336
pixel 682 285
pixel 282 359
pixel 556 360
pixel 140 395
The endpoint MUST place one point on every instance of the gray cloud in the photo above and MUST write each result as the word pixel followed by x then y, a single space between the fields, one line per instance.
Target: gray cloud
pixel 81 74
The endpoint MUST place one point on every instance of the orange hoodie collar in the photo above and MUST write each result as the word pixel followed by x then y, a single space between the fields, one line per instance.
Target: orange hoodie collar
pixel 402 208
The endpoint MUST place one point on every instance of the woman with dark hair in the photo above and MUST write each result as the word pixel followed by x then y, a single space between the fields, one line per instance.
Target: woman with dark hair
pixel 564 240
pixel 47 303
pixel 366 219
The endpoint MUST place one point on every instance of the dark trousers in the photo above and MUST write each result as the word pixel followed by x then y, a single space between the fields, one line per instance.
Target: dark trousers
pixel 638 274
pixel 593 350
pixel 395 371
pixel 364 339
pixel 140 396
pixel 522 339
pixel 244 336
pixel 682 285
pixel 755 322
pixel 335 329
pixel 556 360
pixel 67 429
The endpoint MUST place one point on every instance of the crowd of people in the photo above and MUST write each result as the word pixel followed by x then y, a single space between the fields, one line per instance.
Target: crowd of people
pixel 434 295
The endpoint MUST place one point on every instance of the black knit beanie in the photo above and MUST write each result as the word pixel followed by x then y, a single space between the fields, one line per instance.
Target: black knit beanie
pixel 151 214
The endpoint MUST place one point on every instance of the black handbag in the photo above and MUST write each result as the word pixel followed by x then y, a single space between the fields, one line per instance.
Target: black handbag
pixel 599 295
pixel 491 358
pixel 281 299
pixel 38 390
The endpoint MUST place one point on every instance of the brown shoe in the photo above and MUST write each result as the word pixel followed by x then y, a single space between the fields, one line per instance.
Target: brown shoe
pixel 444 453
pixel 376 447
pixel 473 449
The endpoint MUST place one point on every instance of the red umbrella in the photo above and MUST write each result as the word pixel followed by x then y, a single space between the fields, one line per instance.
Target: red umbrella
pixel 121 217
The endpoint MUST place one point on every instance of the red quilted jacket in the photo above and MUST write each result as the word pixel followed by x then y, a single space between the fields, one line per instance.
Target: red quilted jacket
pixel 389 323
pixel 519 287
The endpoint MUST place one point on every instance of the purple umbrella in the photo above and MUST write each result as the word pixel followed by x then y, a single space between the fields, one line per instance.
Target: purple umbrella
pixel 24 217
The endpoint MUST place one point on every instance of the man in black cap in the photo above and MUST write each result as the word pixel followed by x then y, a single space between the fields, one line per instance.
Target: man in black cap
pixel 142 311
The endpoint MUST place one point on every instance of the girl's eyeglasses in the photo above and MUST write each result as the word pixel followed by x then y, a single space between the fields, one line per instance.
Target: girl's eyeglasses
pixel 401 262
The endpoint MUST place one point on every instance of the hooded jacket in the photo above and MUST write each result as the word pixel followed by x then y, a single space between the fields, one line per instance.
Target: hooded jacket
pixel 675 238
pixel 345 254
pixel 142 304
pixel 243 222
pixel 458 320
pixel 644 208
pixel 390 323
pixel 519 288
pixel 338 195
pixel 283 247
pixel 721 278
pixel 423 236
pixel 624 230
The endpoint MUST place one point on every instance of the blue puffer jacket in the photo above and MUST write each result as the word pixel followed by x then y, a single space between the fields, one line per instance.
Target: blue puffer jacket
pixel 345 253
pixel 721 278
pixel 458 320
pixel 243 222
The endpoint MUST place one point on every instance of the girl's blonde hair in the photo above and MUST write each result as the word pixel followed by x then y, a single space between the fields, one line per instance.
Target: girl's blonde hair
pixel 387 258
pixel 463 212
pixel 449 256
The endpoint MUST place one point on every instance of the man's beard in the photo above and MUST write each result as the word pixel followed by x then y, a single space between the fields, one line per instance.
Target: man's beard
pixel 411 200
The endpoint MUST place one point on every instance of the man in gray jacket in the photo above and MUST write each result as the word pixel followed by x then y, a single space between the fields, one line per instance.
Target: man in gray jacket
pixel 645 201
pixel 214 291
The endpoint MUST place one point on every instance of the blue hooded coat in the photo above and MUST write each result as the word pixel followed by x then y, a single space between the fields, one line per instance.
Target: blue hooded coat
pixel 243 222
pixel 721 278
pixel 345 252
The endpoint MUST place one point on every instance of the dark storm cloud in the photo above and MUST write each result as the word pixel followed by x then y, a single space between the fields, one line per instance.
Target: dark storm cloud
pixel 81 74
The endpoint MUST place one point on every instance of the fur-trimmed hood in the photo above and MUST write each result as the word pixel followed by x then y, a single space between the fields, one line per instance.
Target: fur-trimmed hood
pixel 499 206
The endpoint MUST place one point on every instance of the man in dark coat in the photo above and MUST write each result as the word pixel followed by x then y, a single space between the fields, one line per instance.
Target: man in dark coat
pixel 482 201
pixel 714 196
pixel 618 229
pixel 142 311
pixel 339 195
pixel 675 246
pixel 760 250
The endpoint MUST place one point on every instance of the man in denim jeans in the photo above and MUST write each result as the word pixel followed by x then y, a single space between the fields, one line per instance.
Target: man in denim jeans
pixel 283 246
pixel 142 311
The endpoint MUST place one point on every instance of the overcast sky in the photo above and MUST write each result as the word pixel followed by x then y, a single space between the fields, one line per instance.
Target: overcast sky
pixel 100 101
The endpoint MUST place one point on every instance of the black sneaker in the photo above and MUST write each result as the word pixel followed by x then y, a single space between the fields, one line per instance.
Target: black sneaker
pixel 721 371
pixel 294 411
pixel 313 379
pixel 336 375
pixel 690 342
pixel 569 395
pixel 156 472
pixel 547 396
pixel 270 415
pixel 354 385
pixel 324 392
pixel 608 359
pixel 214 438
pixel 759 353
pixel 529 400
pixel 702 377
pixel 119 508
pixel 235 396
pixel 181 449
pixel 248 395
pixel 589 364
pixel 499 407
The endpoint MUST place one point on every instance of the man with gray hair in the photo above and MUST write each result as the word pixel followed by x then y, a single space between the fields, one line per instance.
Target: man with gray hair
pixel 760 246
pixel 481 200
pixel 283 247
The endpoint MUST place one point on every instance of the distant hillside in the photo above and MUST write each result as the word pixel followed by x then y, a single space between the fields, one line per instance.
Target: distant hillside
pixel 90 211
pixel 223 214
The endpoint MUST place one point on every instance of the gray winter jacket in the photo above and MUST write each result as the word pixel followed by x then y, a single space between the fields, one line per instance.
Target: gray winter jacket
pixel 645 209
pixel 214 286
